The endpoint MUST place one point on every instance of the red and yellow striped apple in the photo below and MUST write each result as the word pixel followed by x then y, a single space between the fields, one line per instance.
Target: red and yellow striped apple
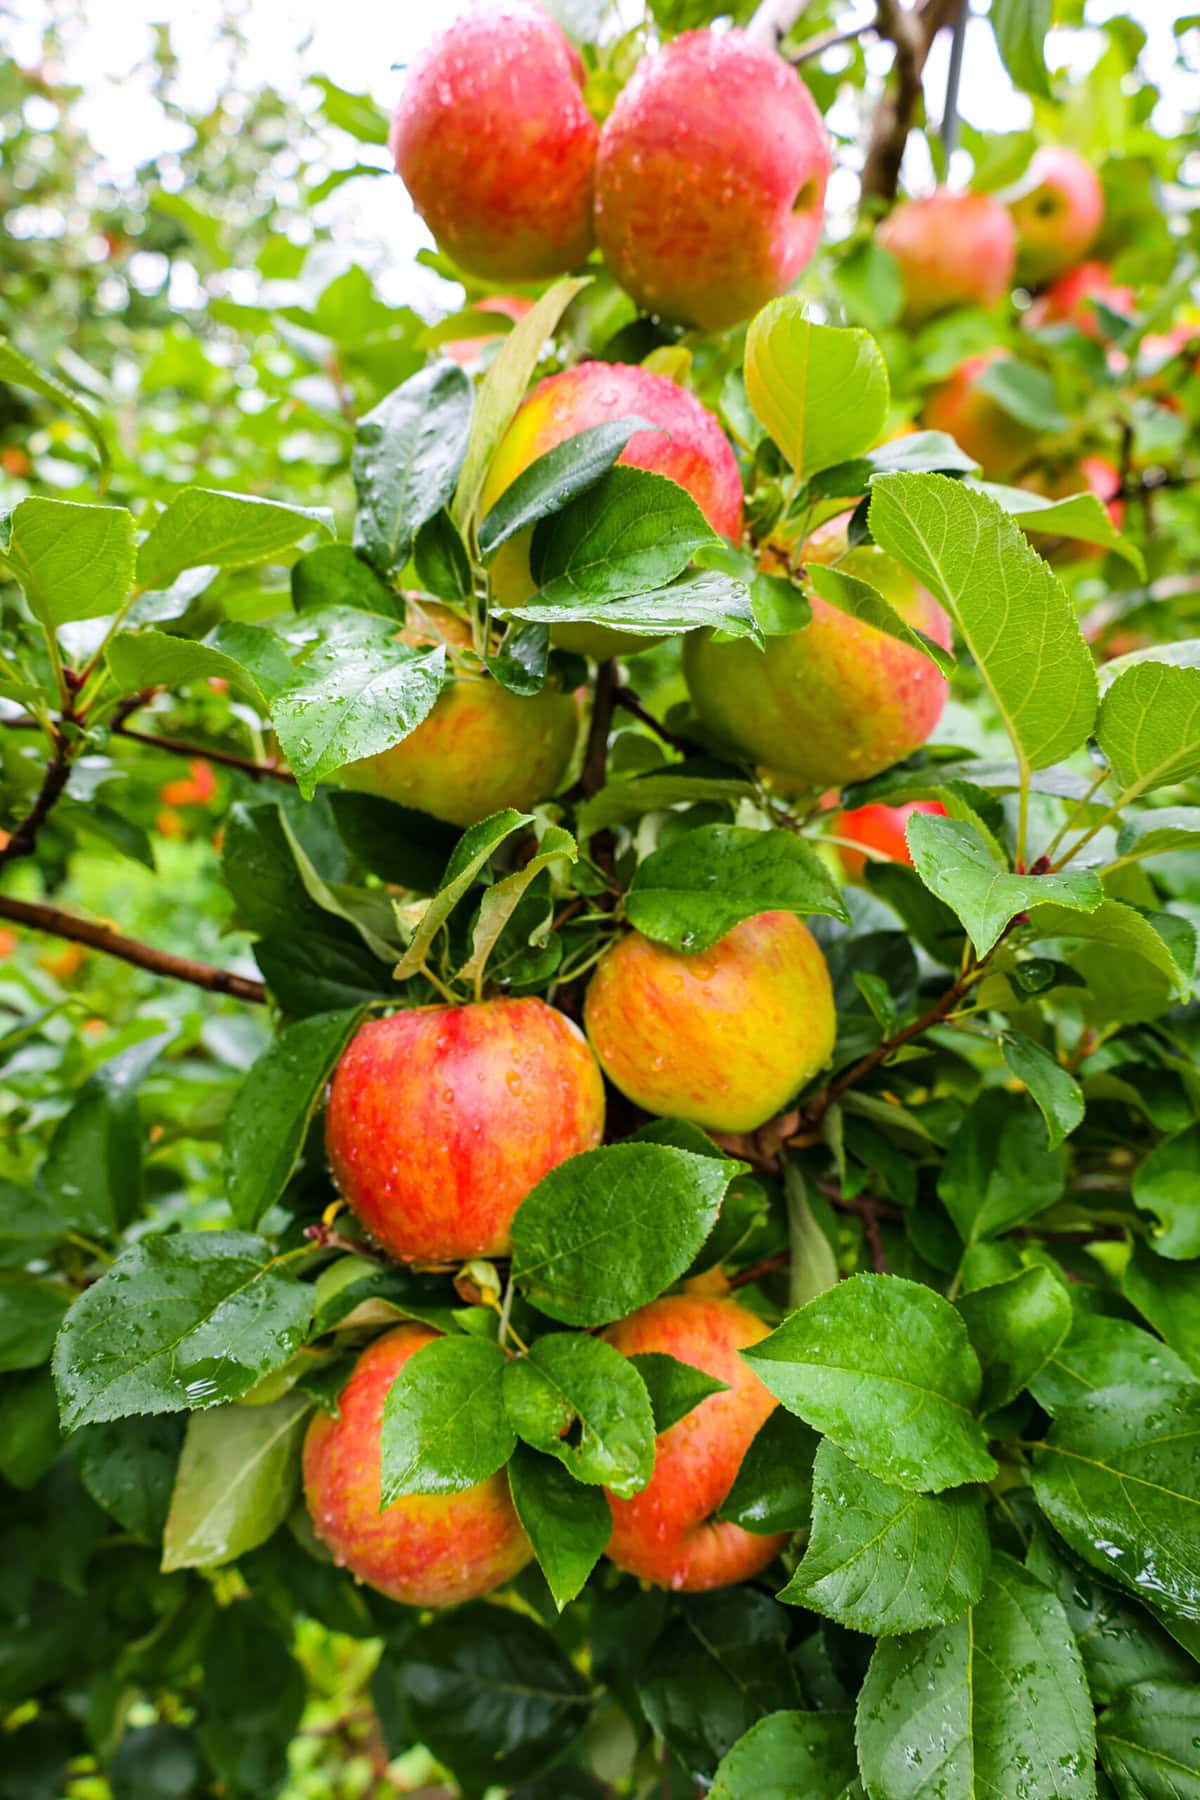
pixel 880 830
pixel 952 250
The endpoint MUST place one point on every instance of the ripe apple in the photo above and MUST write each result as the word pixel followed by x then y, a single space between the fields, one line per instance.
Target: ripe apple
pixel 689 447
pixel 952 249
pixel 667 1533
pixel 881 830
pixel 1069 300
pixel 425 1549
pixel 1057 212
pixel 494 142
pixel 481 748
pixel 710 179
pixel 836 701
pixel 442 1118
pixel 468 350
pixel 999 443
pixel 725 1037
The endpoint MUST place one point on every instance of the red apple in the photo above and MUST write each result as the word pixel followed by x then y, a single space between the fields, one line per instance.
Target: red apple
pixel 1069 300
pixel 468 350
pixel 425 1549
pixel 952 249
pixel 725 1037
pixel 1057 212
pixel 494 142
pixel 710 179
pixel 442 1118
pixel 879 829
pixel 999 443
pixel 667 1533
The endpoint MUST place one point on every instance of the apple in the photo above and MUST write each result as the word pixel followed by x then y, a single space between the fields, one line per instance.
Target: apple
pixel 879 829
pixel 468 350
pixel 481 748
pixel 836 701
pixel 999 443
pixel 725 1037
pixel 689 447
pixel 442 1118
pixel 1069 300
pixel 494 142
pixel 1057 212
pixel 424 1549
pixel 952 250
pixel 667 1533
pixel 710 179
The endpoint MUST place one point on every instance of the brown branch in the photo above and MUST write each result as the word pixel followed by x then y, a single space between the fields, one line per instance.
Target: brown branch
pixel 98 936
pixel 912 31
pixel 628 701
pixel 850 1077
pixel 768 1266
pixel 24 839
pixel 199 752
pixel 595 757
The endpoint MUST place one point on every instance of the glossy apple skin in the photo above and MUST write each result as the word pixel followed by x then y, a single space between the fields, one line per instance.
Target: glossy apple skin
pixel 480 749
pixel 495 144
pixel 999 443
pixel 425 1550
pixel 1068 300
pixel 710 180
pixel 834 702
pixel 468 351
pixel 953 250
pixel 881 830
pixel 666 1534
pixel 1058 215
pixel 442 1118
pixel 725 1037
pixel 690 448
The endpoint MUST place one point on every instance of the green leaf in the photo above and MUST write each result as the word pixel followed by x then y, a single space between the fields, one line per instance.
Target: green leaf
pixel 236 1482
pixel 139 659
pixel 859 600
pixel 555 479
pixel 580 1400
pixel 1168 1294
pixel 407 454
pixel 772 1490
pixel 501 900
pixel 1056 1092
pixel 502 390
pixel 404 847
pixel 92 1175
pixel 1118 1640
pixel 883 1366
pixel 610 1229
pixel 706 881
pixel 1020 27
pixel 1119 928
pixel 821 392
pixel 792 1756
pixel 128 1467
pixel 1149 727
pixel 999 1172
pixel 1015 1326
pixel 630 532
pixel 444 1424
pixel 31 1311
pixel 354 1281
pixel 73 561
pixel 206 527
pixel 474 847
pixel 1083 517
pixel 916 453
pixel 252 1700
pixel 813 1268
pixel 884 1561
pixel 335 575
pixel 964 1710
pixel 1150 1742
pixel 441 560
pixel 178 1322
pixel 697 598
pixel 999 593
pixel 273 1108
pixel 1117 1478
pixel 1025 392
pixel 1164 828
pixel 16 370
pixel 368 911
pixel 357 707
pixel 1100 1352
pixel 674 1387
pixel 355 113
pixel 28 1227
pixel 1167 1184
pixel 30 1438
pixel 955 864
pixel 569 1525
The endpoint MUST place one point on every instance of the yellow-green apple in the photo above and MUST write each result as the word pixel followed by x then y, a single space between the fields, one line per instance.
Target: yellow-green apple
pixel 1057 211
pixel 442 1118
pixel 494 142
pixel 999 443
pixel 710 179
pixel 1069 300
pixel 424 1549
pixel 689 447
pixel 468 350
pixel 481 748
pixel 836 701
pixel 667 1534
pixel 725 1037
pixel 880 831
pixel 952 250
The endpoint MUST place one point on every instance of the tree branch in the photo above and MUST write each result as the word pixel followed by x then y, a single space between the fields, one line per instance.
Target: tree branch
pixel 595 757
pixel 628 701
pixel 97 936
pixel 24 839
pixel 912 31
pixel 199 752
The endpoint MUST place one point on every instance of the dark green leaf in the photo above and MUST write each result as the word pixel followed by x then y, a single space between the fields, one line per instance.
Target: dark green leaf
pixel 1119 1642
pixel 253 1699
pixel 955 863
pixel 93 1171
pixel 31 1311
pixel 569 1525
pixel 772 1490
pixel 706 881
pixel 407 454
pixel 128 1467
pixel 28 1227
pixel 1015 1326
pixel 1168 1295
pixel 674 1387
pixel 357 707
pixel 156 1762
pixel 1100 1352
pixel 441 560
pixel 444 1424
pixel 1150 1742
pixel 697 598
pixel 1056 1092
pixel 917 452
pixel 999 1172
pixel 30 1437
pixel 629 532
pixel 334 575
pixel 556 478
pixel 792 1756
pixel 1168 1185
pixel 580 1400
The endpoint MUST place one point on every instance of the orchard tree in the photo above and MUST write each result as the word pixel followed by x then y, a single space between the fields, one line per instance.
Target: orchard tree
pixel 601 1159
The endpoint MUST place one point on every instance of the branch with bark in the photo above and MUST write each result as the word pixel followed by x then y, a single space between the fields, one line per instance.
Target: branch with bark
pixel 98 936
pixel 912 31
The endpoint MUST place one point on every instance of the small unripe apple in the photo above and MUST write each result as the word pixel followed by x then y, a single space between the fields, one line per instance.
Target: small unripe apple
pixel 494 142
pixel 667 1534
pixel 710 179
pixel 999 443
pixel 880 830
pixel 1058 211
pixel 442 1118
pixel 1069 300
pixel 481 748
pixel 689 448
pixel 725 1037
pixel 952 250
pixel 425 1549
pixel 468 350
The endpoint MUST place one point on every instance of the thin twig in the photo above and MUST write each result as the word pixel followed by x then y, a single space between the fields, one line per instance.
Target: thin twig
pixel 595 757
pixel 23 841
pixel 259 771
pixel 628 701
pixel 97 936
